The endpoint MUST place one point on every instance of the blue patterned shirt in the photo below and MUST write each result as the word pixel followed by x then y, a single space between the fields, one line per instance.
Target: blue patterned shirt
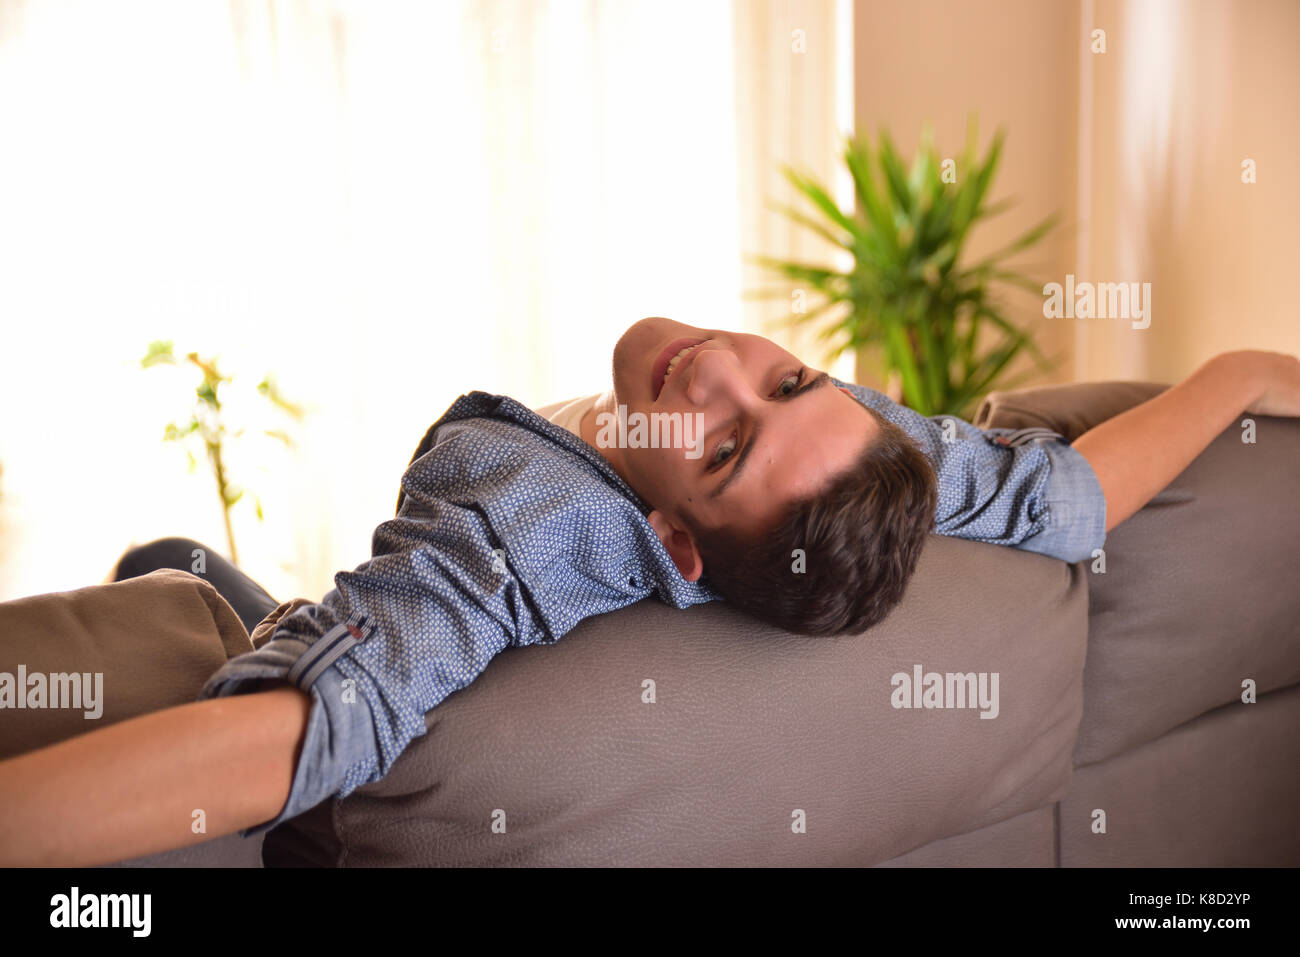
pixel 510 530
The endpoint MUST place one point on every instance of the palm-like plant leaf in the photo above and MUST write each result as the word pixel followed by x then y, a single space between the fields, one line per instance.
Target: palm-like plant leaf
pixel 908 288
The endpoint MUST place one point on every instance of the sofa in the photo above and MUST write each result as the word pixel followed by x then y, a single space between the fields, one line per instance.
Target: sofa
pixel 1138 709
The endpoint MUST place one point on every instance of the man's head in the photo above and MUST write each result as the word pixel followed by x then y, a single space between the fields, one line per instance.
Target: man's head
pixel 805 508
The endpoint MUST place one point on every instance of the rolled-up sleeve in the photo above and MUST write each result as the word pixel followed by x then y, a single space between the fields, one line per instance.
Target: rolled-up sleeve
pixel 1074 503
pixel 396 636
pixel 341 740
pixel 504 537
pixel 1023 488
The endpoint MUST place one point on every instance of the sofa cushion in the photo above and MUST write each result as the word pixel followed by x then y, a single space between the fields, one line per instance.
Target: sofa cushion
pixel 153 639
pixel 749 727
pixel 1070 409
pixel 1222 790
pixel 1198 594
pixel 1197 591
pixel 1026 840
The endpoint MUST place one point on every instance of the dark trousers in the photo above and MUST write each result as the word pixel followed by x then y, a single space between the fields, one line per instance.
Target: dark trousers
pixel 250 600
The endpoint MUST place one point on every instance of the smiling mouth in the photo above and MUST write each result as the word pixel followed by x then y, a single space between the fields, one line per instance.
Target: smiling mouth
pixel 666 364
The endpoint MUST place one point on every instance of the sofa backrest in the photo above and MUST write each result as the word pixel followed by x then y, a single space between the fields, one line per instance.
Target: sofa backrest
pixel 654 736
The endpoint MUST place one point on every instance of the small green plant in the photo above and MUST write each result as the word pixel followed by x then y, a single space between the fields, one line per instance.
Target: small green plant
pixel 908 290
pixel 206 422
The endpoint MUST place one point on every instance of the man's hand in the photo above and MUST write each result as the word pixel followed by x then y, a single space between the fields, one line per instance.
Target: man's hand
pixel 1277 375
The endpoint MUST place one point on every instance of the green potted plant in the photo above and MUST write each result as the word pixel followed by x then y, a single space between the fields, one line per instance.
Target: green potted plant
pixel 908 291
pixel 208 424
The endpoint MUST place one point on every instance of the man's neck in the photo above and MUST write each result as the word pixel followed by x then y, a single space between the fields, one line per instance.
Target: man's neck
pixel 588 428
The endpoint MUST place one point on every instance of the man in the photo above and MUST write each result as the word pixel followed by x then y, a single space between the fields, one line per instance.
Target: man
pixel 808 506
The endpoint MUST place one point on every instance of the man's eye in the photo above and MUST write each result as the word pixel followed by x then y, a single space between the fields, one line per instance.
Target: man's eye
pixel 728 447
pixel 792 380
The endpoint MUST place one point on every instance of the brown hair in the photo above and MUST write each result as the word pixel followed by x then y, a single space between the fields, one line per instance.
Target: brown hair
pixel 860 536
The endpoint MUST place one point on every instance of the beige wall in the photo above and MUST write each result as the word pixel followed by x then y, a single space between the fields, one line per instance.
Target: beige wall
pixel 1184 93
pixel 1013 63
pixel 1139 148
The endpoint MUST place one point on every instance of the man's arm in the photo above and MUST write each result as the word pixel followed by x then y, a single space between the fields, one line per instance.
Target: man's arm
pixel 132 788
pixel 1139 452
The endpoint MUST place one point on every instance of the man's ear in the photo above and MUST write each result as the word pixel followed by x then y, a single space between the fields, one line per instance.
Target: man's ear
pixel 680 545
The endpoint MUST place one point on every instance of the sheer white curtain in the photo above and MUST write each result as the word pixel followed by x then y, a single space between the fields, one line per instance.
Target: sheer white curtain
pixel 384 204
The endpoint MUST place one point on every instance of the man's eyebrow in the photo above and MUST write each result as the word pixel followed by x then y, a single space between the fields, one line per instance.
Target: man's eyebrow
pixel 817 383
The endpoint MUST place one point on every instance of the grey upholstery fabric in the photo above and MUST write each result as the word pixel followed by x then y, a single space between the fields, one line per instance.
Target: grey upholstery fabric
pixel 1199 594
pixel 1194 598
pixel 1070 409
pixel 1220 791
pixel 749 725
pixel 1026 840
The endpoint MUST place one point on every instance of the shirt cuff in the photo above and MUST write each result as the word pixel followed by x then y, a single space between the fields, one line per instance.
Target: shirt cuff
pixel 340 735
pixel 1075 505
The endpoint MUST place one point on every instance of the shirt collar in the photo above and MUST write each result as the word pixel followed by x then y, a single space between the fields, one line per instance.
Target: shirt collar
pixel 477 404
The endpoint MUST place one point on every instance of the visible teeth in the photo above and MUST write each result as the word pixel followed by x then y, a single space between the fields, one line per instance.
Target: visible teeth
pixel 672 363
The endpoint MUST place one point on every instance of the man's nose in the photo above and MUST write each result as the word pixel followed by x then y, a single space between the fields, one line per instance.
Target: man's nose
pixel 716 374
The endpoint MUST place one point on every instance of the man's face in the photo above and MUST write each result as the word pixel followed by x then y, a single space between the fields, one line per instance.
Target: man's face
pixel 774 429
